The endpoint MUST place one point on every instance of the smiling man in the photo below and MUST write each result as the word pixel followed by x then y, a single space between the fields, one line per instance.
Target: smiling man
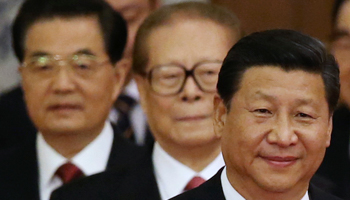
pixel 69 52
pixel 278 90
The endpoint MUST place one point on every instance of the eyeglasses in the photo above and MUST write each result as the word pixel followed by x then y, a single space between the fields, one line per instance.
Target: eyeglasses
pixel 46 66
pixel 170 79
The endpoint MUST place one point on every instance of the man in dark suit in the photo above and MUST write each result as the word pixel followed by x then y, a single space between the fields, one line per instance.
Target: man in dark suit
pixel 70 53
pixel 177 55
pixel 277 93
pixel 15 124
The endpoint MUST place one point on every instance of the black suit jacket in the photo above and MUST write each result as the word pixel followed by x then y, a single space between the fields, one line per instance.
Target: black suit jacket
pixel 19 176
pixel 121 183
pixel 212 190
pixel 15 126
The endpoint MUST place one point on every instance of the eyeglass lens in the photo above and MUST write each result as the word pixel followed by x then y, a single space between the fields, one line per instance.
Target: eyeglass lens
pixel 45 66
pixel 170 79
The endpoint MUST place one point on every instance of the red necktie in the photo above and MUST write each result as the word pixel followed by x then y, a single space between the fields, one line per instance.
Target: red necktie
pixel 68 172
pixel 195 182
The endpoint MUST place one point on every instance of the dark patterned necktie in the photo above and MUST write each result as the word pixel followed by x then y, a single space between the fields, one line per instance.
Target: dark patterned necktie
pixel 124 105
pixel 68 172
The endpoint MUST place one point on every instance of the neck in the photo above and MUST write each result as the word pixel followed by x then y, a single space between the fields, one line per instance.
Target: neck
pixel 194 157
pixel 70 144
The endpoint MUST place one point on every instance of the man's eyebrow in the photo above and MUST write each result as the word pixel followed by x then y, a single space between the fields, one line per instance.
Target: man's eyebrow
pixel 299 102
pixel 339 33
pixel 304 101
pixel 261 94
pixel 85 51
pixel 38 54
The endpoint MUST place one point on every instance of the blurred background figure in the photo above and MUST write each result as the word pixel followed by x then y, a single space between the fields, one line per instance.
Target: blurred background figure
pixel 70 53
pixel 178 54
pixel 336 165
pixel 15 125
pixel 8 62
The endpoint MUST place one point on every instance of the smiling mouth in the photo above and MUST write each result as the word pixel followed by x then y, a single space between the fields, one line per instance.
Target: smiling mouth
pixel 280 161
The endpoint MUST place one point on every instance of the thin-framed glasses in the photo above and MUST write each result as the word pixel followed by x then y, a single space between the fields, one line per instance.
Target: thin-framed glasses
pixel 47 66
pixel 170 79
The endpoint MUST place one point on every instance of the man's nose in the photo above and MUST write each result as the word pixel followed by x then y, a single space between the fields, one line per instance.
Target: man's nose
pixel 283 133
pixel 191 91
pixel 63 79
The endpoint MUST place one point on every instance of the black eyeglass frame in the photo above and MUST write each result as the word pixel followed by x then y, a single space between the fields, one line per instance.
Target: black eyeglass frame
pixel 188 73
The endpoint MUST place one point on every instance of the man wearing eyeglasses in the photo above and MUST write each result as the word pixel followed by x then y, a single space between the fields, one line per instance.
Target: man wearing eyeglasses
pixel 176 62
pixel 177 57
pixel 126 112
pixel 69 52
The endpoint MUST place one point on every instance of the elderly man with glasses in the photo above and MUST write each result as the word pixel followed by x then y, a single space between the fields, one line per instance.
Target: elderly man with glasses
pixel 70 53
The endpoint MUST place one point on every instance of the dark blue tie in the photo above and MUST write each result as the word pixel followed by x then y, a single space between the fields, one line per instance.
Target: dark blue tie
pixel 124 105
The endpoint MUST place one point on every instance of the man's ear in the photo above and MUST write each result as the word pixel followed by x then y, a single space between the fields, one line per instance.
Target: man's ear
pixel 329 131
pixel 142 88
pixel 220 113
pixel 120 70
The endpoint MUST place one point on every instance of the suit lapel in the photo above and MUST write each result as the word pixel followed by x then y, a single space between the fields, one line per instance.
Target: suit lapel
pixel 213 187
pixel 123 152
pixel 317 194
pixel 132 172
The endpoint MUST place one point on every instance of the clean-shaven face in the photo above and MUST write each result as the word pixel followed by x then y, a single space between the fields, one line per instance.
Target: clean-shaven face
pixel 68 101
pixel 276 132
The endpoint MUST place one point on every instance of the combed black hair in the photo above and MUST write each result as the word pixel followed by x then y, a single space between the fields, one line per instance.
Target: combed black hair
pixel 286 49
pixel 113 26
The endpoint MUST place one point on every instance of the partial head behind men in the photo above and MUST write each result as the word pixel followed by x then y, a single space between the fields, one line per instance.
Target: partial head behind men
pixel 134 12
pixel 113 26
pixel 340 46
pixel 288 50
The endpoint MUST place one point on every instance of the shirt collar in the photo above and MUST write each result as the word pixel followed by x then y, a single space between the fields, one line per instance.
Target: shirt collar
pixel 172 176
pixel 231 194
pixel 131 90
pixel 92 159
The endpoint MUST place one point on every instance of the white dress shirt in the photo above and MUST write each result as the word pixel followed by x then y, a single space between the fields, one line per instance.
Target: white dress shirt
pixel 137 117
pixel 173 176
pixel 91 160
pixel 231 194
